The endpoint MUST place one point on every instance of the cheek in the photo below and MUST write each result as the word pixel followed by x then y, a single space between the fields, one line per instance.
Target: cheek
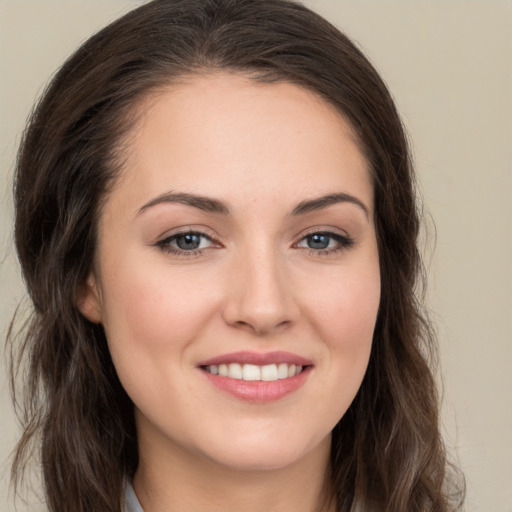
pixel 152 316
pixel 344 316
pixel 347 309
pixel 340 313
pixel 154 311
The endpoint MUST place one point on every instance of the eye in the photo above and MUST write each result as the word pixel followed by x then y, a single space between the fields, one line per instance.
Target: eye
pixel 325 242
pixel 186 243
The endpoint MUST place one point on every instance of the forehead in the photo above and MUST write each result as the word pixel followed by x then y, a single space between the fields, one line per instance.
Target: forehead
pixel 226 135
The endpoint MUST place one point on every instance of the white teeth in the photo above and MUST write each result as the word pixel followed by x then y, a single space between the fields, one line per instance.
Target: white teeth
pixel 251 372
pixel 235 371
pixel 282 371
pixel 269 372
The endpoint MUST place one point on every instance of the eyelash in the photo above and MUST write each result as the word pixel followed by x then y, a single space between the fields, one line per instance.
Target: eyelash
pixel 344 242
pixel 165 246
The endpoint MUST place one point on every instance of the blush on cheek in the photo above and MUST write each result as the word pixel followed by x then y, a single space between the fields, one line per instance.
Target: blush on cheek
pixel 159 311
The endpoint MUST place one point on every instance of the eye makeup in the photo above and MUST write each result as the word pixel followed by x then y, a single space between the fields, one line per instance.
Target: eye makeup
pixel 187 243
pixel 325 243
pixel 192 243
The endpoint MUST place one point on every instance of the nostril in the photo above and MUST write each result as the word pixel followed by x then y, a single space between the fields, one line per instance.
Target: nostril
pixel 260 327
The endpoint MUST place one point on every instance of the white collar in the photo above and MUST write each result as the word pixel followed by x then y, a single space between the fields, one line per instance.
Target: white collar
pixel 131 502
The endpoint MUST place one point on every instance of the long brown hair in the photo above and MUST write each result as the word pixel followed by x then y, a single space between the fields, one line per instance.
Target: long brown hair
pixel 387 453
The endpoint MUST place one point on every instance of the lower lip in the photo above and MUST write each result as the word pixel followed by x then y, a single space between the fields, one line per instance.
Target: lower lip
pixel 259 391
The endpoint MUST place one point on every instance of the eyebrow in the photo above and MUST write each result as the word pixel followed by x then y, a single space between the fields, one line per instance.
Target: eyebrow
pixel 328 200
pixel 207 204
pixel 210 205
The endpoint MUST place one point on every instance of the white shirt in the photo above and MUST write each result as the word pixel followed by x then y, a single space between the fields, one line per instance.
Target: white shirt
pixel 131 502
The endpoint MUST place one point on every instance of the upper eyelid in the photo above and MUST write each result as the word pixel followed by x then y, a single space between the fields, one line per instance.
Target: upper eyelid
pixel 327 230
pixel 343 239
pixel 166 241
pixel 184 233
pixel 331 234
pixel 184 230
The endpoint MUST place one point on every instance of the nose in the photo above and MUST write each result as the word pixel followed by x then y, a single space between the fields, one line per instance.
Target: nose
pixel 261 296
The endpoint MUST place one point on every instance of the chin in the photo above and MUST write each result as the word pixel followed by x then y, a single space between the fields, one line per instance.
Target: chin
pixel 264 452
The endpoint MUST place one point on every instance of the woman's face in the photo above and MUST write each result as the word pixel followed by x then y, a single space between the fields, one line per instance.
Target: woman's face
pixel 237 272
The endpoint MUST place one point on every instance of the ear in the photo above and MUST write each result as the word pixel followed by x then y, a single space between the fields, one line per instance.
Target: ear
pixel 88 300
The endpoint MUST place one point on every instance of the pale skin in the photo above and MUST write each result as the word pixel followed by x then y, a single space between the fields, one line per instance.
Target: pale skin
pixel 286 260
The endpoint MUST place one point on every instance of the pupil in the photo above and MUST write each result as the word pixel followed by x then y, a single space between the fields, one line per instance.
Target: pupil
pixel 189 241
pixel 318 242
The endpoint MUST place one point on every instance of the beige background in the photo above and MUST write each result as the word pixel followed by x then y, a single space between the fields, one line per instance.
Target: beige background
pixel 449 66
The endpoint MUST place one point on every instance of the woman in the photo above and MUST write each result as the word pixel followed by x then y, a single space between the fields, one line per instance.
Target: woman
pixel 216 222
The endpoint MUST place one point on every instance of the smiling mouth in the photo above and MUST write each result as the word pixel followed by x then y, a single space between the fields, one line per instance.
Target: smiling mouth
pixel 252 372
pixel 257 377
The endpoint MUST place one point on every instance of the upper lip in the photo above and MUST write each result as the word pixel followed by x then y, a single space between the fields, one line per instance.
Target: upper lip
pixel 257 358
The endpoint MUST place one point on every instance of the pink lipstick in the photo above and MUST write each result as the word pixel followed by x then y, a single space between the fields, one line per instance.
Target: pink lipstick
pixel 257 377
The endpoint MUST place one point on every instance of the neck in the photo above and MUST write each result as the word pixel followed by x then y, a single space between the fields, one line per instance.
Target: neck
pixel 183 482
